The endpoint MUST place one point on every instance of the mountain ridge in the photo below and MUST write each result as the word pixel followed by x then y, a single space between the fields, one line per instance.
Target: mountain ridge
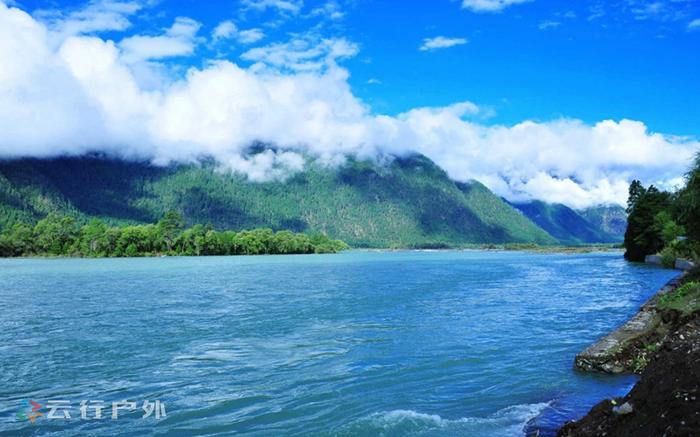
pixel 592 225
pixel 408 202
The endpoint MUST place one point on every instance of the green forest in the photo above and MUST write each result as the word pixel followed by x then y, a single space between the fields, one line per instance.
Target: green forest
pixel 58 235
pixel 665 223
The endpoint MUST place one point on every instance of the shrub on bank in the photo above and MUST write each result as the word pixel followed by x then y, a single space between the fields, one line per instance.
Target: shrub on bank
pixel 683 249
pixel 668 257
pixel 693 275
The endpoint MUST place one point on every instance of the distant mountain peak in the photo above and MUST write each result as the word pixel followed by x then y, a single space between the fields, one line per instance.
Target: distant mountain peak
pixel 602 224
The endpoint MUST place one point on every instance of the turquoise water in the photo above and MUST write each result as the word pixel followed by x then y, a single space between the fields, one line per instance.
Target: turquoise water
pixel 355 344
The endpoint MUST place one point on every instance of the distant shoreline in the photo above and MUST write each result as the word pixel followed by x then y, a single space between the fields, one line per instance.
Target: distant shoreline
pixel 570 250
pixel 502 248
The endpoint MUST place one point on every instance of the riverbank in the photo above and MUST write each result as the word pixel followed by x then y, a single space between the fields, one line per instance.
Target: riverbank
pixel 627 349
pixel 511 247
pixel 662 344
pixel 566 250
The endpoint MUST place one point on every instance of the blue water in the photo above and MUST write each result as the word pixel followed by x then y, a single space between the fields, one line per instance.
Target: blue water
pixel 355 344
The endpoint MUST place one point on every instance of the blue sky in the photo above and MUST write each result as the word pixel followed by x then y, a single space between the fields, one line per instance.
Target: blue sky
pixel 613 66
pixel 537 60
pixel 558 101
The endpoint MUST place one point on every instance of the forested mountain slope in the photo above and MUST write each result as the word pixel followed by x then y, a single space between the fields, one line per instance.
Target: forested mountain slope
pixel 409 202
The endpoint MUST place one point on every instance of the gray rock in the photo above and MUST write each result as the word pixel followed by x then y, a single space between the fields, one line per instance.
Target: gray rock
pixel 683 264
pixel 601 355
pixel 623 409
pixel 653 259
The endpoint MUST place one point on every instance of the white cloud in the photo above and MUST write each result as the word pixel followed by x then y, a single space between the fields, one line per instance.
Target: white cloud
pixel 694 25
pixel 596 11
pixel 304 53
pixel 440 42
pixel 563 161
pixel 83 96
pixel 228 30
pixel 546 25
pixel 330 9
pixel 660 10
pixel 490 5
pixel 250 36
pixel 285 6
pixel 178 40
pixel 224 30
pixel 97 16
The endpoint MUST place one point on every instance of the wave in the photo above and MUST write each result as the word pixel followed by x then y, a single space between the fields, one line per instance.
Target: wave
pixel 508 422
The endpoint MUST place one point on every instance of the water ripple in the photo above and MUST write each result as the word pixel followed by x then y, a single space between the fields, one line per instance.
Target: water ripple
pixel 431 344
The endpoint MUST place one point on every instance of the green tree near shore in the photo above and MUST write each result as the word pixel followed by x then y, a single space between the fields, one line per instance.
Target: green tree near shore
pixel 170 227
pixel 687 207
pixel 658 218
pixel 643 236
pixel 62 236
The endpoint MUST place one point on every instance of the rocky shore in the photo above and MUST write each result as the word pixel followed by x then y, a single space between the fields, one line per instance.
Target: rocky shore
pixel 663 345
pixel 627 349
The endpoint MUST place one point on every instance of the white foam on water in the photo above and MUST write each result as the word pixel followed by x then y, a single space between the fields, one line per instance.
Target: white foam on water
pixel 508 422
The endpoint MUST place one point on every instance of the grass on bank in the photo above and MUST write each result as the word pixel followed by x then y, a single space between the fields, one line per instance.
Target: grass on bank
pixel 685 299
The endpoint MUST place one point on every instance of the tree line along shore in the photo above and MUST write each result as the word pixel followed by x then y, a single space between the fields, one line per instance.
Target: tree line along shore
pixel 663 222
pixel 58 235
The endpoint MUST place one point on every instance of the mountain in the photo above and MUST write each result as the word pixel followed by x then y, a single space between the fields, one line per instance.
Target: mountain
pixel 569 226
pixel 611 219
pixel 409 202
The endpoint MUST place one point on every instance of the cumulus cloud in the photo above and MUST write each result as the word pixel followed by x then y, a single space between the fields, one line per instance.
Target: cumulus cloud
pixel 178 40
pixel 97 16
pixel 440 42
pixel 694 25
pixel 82 94
pixel 490 5
pixel 563 161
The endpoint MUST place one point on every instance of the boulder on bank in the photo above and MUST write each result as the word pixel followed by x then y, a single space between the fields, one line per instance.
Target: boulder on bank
pixel 653 259
pixel 609 354
pixel 683 264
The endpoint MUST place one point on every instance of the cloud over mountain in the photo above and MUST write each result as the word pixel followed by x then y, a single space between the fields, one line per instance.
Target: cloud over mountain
pixel 79 93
